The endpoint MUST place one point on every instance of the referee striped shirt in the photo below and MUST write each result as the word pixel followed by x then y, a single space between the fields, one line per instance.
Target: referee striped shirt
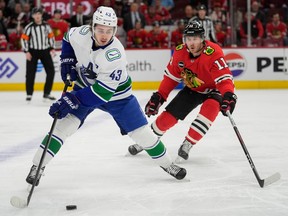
pixel 208 26
pixel 37 37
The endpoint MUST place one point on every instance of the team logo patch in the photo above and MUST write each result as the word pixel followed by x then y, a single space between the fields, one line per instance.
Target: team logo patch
pixel 84 30
pixel 209 50
pixel 112 54
pixel 237 63
pixel 181 64
pixel 190 79
pixel 179 47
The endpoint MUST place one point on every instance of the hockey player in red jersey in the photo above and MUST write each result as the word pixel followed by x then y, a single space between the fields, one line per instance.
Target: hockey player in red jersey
pixel 208 82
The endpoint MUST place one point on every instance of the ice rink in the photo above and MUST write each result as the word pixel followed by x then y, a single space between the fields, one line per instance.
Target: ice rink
pixel 94 172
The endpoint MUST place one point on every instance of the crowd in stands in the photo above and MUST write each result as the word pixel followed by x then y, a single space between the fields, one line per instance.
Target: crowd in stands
pixel 160 23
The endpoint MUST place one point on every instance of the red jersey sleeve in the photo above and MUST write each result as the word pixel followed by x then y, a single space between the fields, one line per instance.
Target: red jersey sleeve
pixel 172 76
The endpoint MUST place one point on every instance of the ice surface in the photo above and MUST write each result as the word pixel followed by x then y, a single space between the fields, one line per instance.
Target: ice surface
pixel 93 171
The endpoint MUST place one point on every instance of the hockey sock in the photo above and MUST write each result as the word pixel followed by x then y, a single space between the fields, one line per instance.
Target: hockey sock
pixel 54 147
pixel 163 122
pixel 203 121
pixel 64 128
pixel 158 153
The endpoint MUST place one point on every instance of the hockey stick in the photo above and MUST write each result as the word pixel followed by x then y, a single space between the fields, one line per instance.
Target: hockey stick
pixel 19 202
pixel 262 182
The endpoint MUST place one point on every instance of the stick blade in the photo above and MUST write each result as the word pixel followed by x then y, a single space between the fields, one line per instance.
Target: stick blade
pixel 18 202
pixel 271 179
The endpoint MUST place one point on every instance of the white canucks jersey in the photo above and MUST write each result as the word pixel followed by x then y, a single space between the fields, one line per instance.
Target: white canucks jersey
pixel 102 69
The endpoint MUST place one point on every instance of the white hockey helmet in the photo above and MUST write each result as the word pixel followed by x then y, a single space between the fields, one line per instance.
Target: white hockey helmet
pixel 105 16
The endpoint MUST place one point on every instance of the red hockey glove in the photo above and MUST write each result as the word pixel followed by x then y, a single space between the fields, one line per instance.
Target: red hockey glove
pixel 154 104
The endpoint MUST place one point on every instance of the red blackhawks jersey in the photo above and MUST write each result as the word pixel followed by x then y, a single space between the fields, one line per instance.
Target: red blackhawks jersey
pixel 136 39
pixel 205 73
pixel 59 27
pixel 157 39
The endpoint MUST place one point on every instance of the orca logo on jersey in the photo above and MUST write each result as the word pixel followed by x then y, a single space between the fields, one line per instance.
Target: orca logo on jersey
pixel 87 76
pixel 190 79
pixel 112 54
pixel 209 50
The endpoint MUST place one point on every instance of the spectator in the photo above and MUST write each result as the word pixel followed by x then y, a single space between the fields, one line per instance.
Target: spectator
pixel 15 39
pixel 12 3
pixel 107 3
pixel 189 13
pixel 163 13
pixel 276 32
pixel 206 23
pixel 27 12
pixel 79 18
pixel 3 42
pixel 3 29
pixel 143 6
pixel 137 37
pixel 257 31
pixel 17 16
pixel 220 34
pixel 151 16
pixel 177 34
pixel 257 13
pixel 167 4
pixel 131 17
pixel 119 9
pixel 157 38
pixel 45 16
pixel 59 27
pixel 6 10
pixel 218 14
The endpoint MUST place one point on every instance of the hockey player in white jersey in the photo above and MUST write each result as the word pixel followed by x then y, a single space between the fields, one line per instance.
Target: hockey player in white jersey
pixel 96 62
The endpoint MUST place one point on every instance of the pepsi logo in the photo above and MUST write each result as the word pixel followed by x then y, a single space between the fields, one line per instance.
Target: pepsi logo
pixel 236 63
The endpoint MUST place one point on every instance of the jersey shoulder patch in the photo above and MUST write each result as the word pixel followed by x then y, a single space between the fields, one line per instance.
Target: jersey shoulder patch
pixel 209 50
pixel 112 54
pixel 179 47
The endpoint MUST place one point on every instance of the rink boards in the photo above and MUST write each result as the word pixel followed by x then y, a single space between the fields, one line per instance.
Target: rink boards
pixel 252 68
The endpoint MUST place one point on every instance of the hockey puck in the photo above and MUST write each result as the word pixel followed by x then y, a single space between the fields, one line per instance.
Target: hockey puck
pixel 71 207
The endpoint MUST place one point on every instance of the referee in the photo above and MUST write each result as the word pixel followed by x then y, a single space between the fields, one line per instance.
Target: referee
pixel 206 22
pixel 38 43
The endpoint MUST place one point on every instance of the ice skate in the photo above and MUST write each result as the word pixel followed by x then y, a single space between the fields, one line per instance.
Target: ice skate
pixel 48 97
pixel 28 98
pixel 175 171
pixel 31 176
pixel 183 152
pixel 135 149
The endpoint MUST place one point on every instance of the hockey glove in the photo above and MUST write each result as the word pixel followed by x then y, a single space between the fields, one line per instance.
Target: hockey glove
pixel 64 105
pixel 228 103
pixel 68 66
pixel 154 104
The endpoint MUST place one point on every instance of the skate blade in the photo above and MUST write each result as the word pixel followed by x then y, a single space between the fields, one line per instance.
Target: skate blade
pixel 179 160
